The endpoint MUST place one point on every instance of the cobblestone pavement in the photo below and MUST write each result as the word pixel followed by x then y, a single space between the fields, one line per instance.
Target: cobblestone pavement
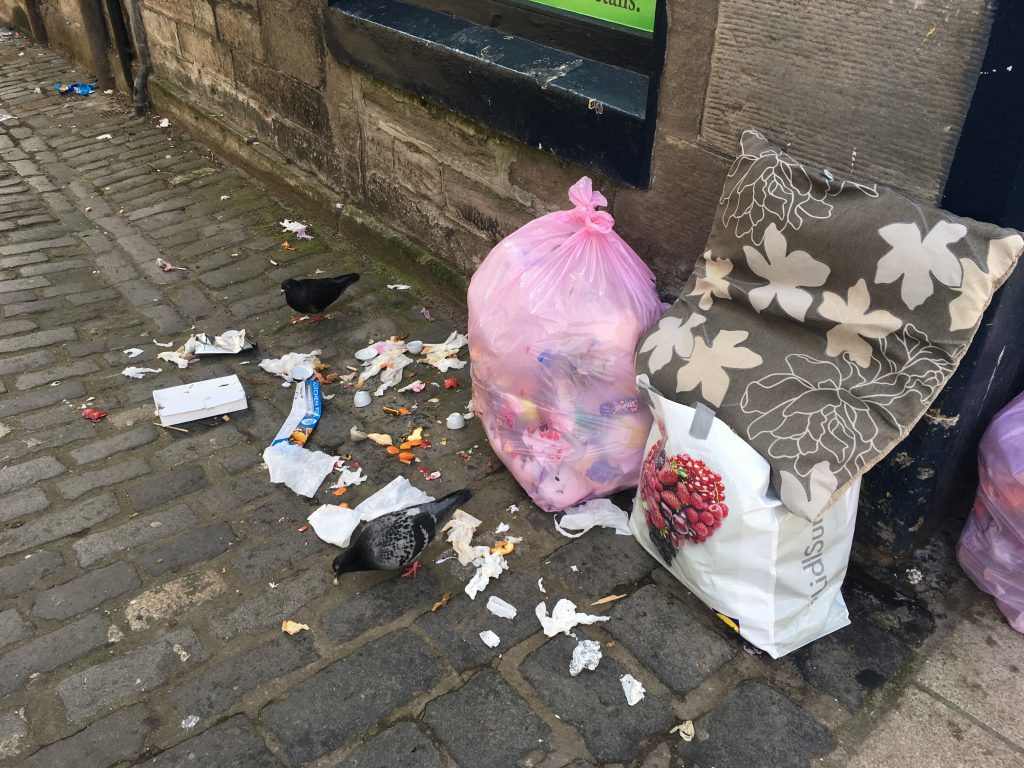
pixel 144 573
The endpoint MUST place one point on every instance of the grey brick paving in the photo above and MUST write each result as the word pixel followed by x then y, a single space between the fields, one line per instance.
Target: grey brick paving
pixel 124 440
pixel 757 726
pixel 400 745
pixel 194 546
pixel 85 592
pixel 133 534
pixel 48 652
pixel 23 503
pixel 118 681
pixel 12 627
pixel 103 743
pixel 56 525
pixel 674 644
pixel 231 743
pixel 29 472
pixel 73 486
pixel 338 703
pixel 32 570
pixel 218 688
pixel 165 486
pixel 505 729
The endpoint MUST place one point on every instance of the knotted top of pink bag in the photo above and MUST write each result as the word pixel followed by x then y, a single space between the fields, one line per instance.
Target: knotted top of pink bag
pixel 586 200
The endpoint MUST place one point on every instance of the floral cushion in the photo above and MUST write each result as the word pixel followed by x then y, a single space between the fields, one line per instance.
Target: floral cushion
pixel 824 317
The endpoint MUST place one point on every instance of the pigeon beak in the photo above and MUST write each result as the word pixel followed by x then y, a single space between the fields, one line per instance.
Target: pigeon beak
pixel 335 581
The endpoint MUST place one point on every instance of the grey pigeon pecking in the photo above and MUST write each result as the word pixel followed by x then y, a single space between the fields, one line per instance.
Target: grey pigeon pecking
pixel 316 294
pixel 396 539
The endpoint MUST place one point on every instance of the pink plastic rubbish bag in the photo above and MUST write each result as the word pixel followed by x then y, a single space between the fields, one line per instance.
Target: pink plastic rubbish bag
pixel 991 548
pixel 555 312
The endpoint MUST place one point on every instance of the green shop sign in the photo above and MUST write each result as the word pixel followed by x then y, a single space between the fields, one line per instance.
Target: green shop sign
pixel 636 14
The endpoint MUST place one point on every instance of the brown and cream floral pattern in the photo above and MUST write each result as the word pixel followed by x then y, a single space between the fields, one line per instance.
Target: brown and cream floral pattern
pixel 824 317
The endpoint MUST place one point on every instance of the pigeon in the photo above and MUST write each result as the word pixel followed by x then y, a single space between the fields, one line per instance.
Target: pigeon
pixel 315 294
pixel 395 540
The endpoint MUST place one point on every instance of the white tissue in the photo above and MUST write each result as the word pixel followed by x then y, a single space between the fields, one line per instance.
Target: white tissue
pixel 490 639
pixel 488 566
pixel 563 617
pixel 460 533
pixel 500 608
pixel 633 689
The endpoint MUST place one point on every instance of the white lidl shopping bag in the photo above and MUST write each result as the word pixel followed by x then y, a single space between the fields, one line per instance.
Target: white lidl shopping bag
pixel 705 509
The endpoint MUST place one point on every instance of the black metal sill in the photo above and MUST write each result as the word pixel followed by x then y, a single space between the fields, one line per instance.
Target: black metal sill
pixel 582 110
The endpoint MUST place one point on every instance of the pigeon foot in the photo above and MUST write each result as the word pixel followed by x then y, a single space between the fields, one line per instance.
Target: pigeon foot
pixel 412 571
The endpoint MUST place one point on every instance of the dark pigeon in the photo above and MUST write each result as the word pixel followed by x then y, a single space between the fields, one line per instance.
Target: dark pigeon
pixel 313 296
pixel 395 540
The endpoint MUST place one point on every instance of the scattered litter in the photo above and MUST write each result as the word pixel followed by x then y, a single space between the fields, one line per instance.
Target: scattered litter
pixel 685 730
pixel 592 514
pixel 228 197
pixel 563 617
pixel 94 415
pixel 501 528
pixel 79 89
pixel 179 357
pixel 4 117
pixel 37 89
pixel 362 399
pixel 273 585
pixel 633 689
pixel 335 524
pixel 461 528
pixel 488 566
pixel 575 569
pixel 914 575
pixel 104 137
pixel 293 627
pixel 455 421
pixel 356 435
pixel 350 477
pixel 284 366
pixel 441 603
pixel 380 438
pixel 287 246
pixel 540 585
pixel 163 343
pixel 505 547
pixel 451 383
pixel 426 314
pixel 166 266
pixel 415 347
pixel 230 342
pixel 389 361
pixel 444 356
pixel 416 386
pixel 301 470
pixel 137 373
pixel 490 639
pixel 606 600
pixel 500 608
pixel 399 287
pixel 190 722
pixel 133 352
pixel 296 228
pixel 432 475
pixel 366 353
pixel 586 655
pixel 164 123
pixel 176 429
pixel 199 400
pixel 512 509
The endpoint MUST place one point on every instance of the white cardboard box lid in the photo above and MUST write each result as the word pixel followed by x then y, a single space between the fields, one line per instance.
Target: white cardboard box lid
pixel 200 396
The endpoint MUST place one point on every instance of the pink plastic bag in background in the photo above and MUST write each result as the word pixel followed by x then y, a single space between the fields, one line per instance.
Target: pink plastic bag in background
pixel 555 312
pixel 991 548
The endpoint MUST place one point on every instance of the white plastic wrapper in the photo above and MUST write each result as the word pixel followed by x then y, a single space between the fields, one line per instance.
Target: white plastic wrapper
pixel 563 617
pixel 633 689
pixel 586 655
pixel 301 470
pixel 335 524
pixel 596 513
pixel 490 639
pixel 283 366
pixel 500 608
pixel 744 554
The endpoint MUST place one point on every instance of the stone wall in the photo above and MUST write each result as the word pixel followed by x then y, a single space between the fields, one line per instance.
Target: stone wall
pixel 874 87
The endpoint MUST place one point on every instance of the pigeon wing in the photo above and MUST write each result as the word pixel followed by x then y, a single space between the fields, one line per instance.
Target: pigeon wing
pixel 393 541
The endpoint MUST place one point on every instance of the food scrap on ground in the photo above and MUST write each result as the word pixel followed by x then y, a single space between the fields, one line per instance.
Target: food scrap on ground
pixel 293 627
pixel 441 603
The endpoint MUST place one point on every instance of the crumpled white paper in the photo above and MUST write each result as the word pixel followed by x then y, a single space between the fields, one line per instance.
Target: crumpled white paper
pixel 488 566
pixel 389 362
pixel 133 352
pixel 490 639
pixel 300 469
pixel 283 366
pixel 297 228
pixel 500 608
pixel 633 689
pixel 596 513
pixel 350 477
pixel 335 524
pixel 586 655
pixel 137 373
pixel 460 529
pixel 444 356
pixel 563 617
